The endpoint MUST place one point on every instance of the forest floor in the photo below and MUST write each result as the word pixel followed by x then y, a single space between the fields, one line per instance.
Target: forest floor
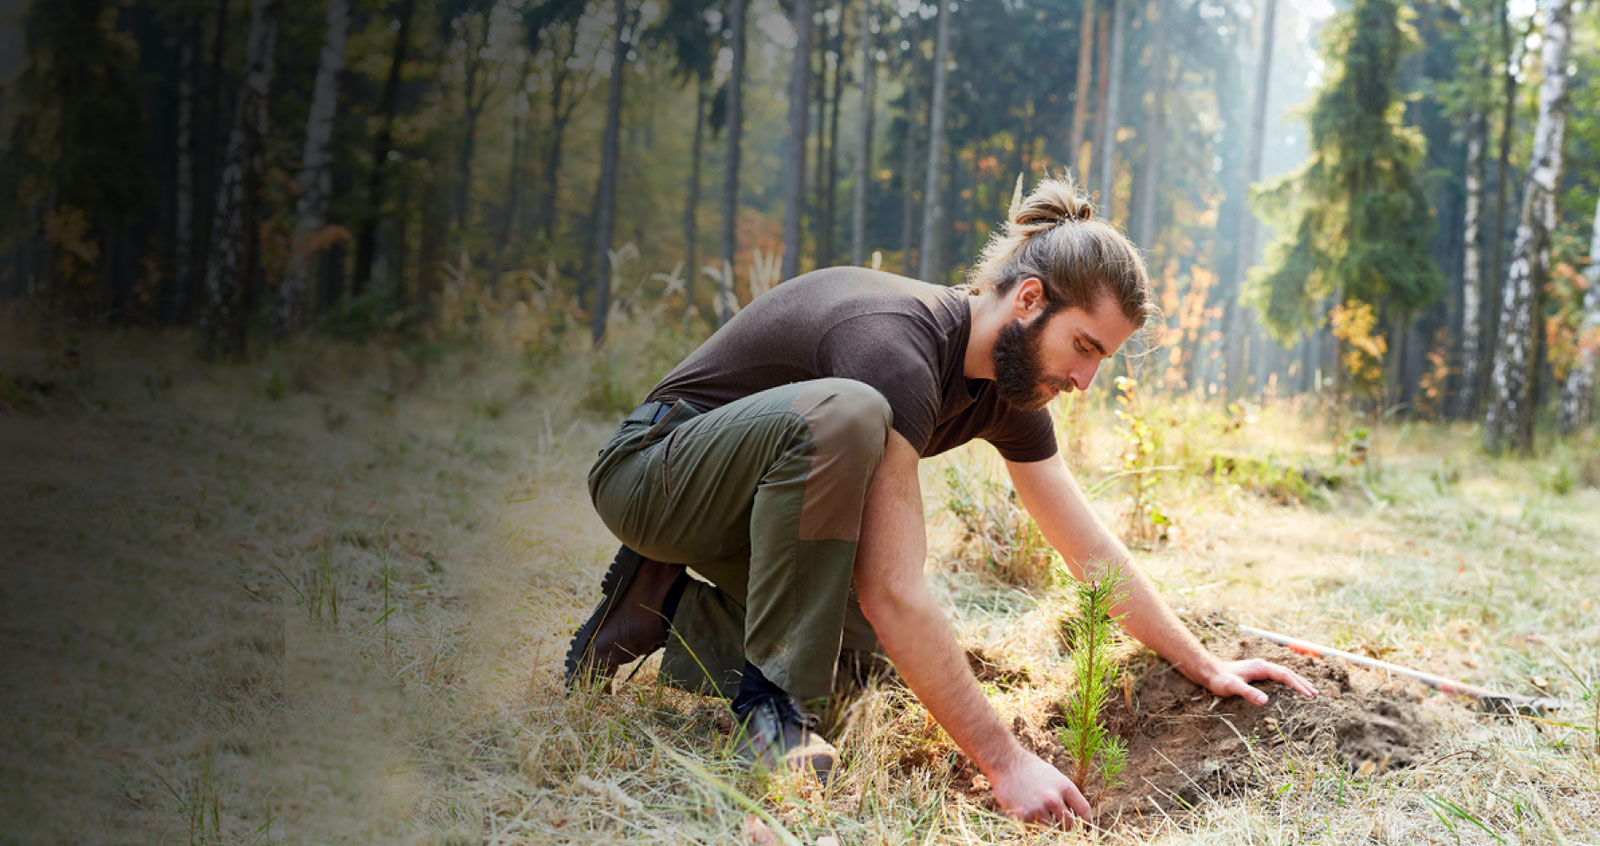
pixel 324 597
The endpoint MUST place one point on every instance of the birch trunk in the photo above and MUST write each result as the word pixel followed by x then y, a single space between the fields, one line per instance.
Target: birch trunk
pixel 794 166
pixel 1247 217
pixel 858 198
pixel 1108 107
pixel 1577 396
pixel 1080 100
pixel 908 209
pixel 222 323
pixel 930 190
pixel 1144 209
pixel 1471 263
pixel 730 167
pixel 1513 382
pixel 605 210
pixel 316 173
pixel 1497 240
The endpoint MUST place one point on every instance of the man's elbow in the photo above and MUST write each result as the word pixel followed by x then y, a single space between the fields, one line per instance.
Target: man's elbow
pixel 882 604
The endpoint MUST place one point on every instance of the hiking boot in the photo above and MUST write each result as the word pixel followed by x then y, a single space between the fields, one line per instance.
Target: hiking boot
pixel 628 623
pixel 776 733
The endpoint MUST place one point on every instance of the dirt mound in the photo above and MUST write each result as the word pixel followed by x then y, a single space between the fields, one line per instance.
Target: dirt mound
pixel 1186 746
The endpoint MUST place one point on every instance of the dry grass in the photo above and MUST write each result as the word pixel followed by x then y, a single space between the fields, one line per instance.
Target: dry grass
pixel 324 597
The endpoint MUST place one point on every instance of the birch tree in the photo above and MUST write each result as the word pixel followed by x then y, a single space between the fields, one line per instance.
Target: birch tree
pixel 222 322
pixel 1471 264
pixel 1513 383
pixel 930 191
pixel 316 172
pixel 1577 396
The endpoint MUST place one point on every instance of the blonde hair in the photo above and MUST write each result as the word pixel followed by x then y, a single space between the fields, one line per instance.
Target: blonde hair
pixel 1052 234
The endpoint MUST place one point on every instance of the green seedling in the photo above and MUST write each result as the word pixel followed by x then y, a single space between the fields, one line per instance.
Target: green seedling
pixel 1099 754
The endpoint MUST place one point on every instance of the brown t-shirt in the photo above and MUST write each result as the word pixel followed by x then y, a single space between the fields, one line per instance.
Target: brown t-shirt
pixel 906 338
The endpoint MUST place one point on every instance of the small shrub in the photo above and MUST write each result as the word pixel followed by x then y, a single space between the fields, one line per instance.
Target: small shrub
pixel 1147 523
pixel 995 528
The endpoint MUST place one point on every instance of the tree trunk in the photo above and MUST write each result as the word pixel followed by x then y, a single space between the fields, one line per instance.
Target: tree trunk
pixel 223 322
pixel 183 246
pixel 931 207
pixel 367 238
pixel 1144 211
pixel 474 101
pixel 208 163
pixel 730 166
pixel 1509 422
pixel 1080 100
pixel 819 100
pixel 831 186
pixel 908 209
pixel 858 198
pixel 1466 397
pixel 794 165
pixel 605 195
pixel 1497 240
pixel 1102 76
pixel 1247 216
pixel 691 207
pixel 315 177
pixel 510 231
pixel 1577 396
pixel 1108 106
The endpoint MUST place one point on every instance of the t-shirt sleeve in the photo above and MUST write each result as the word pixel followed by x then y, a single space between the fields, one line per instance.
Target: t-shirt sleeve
pixel 893 353
pixel 1023 436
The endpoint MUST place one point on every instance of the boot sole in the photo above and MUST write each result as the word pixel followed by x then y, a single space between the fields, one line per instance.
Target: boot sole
pixel 624 567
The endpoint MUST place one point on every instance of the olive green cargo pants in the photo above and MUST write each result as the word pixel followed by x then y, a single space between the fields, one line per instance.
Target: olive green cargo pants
pixel 762 498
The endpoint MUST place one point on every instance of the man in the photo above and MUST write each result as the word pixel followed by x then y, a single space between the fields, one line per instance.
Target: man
pixel 779 463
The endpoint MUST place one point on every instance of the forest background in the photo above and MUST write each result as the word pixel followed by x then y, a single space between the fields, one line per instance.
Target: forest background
pixel 312 315
pixel 1321 191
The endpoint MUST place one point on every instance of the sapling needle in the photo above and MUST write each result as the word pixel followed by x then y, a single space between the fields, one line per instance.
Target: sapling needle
pixel 1098 755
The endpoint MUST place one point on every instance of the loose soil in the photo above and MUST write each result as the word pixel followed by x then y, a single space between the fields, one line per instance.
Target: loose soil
pixel 1186 746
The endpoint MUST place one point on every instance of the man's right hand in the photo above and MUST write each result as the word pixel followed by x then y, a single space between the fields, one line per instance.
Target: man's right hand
pixel 1032 790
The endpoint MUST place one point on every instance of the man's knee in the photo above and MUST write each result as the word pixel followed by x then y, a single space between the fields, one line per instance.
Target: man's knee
pixel 849 421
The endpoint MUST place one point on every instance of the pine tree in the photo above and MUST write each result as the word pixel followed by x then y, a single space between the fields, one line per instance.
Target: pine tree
pixel 1355 219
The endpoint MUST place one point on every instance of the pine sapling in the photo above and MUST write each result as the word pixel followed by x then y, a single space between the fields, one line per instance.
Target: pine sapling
pixel 1099 755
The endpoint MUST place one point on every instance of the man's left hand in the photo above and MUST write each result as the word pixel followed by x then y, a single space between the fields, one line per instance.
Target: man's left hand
pixel 1232 678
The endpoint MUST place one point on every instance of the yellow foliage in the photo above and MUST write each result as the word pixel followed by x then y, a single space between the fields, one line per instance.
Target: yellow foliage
pixel 1355 323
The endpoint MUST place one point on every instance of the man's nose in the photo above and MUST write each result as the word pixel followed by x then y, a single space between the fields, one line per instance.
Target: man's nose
pixel 1083 376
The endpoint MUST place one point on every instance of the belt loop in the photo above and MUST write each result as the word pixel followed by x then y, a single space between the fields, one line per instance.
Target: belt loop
pixel 670 415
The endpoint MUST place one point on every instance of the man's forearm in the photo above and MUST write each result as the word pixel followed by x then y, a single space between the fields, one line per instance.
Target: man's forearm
pixel 918 638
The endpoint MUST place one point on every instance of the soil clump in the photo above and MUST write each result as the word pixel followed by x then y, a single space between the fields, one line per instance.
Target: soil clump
pixel 1186 746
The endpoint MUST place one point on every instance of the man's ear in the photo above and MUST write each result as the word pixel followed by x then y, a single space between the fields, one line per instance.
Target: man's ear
pixel 1030 298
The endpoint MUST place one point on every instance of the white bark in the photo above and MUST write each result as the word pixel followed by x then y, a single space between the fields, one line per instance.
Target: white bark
pixel 858 198
pixel 222 321
pixel 1509 421
pixel 1577 396
pixel 1471 276
pixel 316 171
pixel 931 204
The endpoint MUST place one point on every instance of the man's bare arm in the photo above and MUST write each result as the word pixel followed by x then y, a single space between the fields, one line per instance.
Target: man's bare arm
pixel 918 638
pixel 1054 499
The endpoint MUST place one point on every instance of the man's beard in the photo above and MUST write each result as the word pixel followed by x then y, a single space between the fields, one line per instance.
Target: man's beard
pixel 1017 369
